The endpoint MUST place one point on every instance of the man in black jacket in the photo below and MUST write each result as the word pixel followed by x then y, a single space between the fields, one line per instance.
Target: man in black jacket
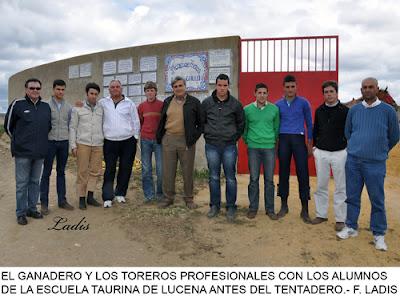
pixel 330 153
pixel 28 122
pixel 179 129
pixel 223 120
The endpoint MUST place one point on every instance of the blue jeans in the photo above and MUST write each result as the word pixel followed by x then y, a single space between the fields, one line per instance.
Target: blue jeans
pixel 147 148
pixel 58 150
pixel 266 158
pixel 27 177
pixel 227 156
pixel 293 145
pixel 372 174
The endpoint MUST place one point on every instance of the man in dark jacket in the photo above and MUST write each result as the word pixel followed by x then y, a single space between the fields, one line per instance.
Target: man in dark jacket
pixel 223 120
pixel 179 129
pixel 28 122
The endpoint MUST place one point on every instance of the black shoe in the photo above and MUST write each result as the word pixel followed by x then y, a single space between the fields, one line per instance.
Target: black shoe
pixel 44 209
pixel 272 216
pixel 21 220
pixel 213 212
pixel 66 205
pixel 91 201
pixel 82 203
pixel 34 214
pixel 304 212
pixel 284 208
pixel 231 214
pixel 251 214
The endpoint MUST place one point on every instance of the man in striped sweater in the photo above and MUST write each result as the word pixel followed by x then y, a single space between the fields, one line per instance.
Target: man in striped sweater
pixel 372 130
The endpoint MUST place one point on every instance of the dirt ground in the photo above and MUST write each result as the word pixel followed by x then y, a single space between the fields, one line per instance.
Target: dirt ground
pixel 136 234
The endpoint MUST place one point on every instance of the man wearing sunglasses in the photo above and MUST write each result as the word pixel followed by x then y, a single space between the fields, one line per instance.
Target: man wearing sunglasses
pixel 28 123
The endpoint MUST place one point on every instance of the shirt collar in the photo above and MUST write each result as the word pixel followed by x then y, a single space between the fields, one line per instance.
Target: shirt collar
pixel 376 103
pixel 333 105
pixel 255 104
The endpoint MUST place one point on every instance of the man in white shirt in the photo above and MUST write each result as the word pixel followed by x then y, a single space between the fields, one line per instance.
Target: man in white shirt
pixel 121 128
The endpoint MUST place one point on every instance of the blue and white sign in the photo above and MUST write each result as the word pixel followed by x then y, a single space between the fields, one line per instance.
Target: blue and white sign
pixel 193 67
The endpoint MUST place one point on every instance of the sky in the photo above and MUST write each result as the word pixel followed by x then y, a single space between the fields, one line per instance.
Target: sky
pixel 43 31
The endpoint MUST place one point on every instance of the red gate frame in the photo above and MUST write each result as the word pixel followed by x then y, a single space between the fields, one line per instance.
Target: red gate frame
pixel 308 81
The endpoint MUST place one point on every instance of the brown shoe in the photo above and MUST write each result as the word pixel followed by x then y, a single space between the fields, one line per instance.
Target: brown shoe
pixel 251 214
pixel 339 226
pixel 165 203
pixel 191 205
pixel 272 216
pixel 44 209
pixel 319 220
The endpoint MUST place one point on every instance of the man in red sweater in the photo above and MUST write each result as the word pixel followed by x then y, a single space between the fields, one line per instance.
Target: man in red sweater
pixel 149 114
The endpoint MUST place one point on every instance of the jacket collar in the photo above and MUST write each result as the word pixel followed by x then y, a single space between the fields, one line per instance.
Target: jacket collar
pixel 29 99
pixel 215 98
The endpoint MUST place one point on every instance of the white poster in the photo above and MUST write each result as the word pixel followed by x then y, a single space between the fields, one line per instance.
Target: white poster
pixel 73 72
pixel 214 72
pixel 219 57
pixel 109 67
pixel 134 78
pixel 193 67
pixel 107 80
pixel 148 63
pixel 85 70
pixel 125 65
pixel 137 99
pixel 123 78
pixel 149 76
pixel 135 90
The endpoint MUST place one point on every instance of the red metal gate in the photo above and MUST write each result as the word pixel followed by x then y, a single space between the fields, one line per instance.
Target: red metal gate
pixel 311 60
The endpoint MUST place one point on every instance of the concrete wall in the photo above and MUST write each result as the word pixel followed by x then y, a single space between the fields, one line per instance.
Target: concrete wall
pixel 75 87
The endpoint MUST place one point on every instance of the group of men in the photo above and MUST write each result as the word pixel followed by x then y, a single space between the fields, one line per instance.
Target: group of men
pixel 353 144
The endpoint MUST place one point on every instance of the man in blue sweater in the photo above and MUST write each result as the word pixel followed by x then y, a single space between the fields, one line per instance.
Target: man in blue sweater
pixel 294 111
pixel 372 130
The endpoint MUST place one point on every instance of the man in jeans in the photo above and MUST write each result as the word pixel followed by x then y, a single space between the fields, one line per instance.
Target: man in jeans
pixel 294 112
pixel 260 134
pixel 372 130
pixel 223 119
pixel 330 153
pixel 28 122
pixel 58 148
pixel 149 115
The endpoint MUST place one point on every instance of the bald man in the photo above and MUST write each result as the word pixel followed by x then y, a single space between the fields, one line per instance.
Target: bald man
pixel 372 130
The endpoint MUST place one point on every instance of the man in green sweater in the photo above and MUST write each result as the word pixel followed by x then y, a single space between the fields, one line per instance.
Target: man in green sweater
pixel 260 134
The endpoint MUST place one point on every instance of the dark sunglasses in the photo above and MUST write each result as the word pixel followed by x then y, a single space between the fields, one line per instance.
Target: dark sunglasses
pixel 34 88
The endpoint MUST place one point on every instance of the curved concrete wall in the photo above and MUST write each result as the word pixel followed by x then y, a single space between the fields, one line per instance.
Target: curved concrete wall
pixel 75 85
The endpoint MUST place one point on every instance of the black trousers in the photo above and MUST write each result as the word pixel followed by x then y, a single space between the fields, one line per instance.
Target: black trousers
pixel 293 145
pixel 124 151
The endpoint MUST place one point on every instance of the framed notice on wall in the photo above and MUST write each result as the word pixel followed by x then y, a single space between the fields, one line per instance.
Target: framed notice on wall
pixel 193 67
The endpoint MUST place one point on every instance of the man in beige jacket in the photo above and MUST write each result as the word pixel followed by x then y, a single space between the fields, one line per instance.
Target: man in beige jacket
pixel 86 140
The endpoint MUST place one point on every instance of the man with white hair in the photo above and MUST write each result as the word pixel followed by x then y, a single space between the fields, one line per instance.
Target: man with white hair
pixel 372 130
pixel 121 128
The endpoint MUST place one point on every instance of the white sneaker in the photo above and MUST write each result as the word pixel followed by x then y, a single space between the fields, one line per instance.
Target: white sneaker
pixel 107 204
pixel 380 243
pixel 120 199
pixel 347 232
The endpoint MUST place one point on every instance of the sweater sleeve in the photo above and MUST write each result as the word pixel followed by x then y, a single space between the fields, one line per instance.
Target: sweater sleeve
pixel 348 125
pixel 393 130
pixel 308 119
pixel 277 123
pixel 316 128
